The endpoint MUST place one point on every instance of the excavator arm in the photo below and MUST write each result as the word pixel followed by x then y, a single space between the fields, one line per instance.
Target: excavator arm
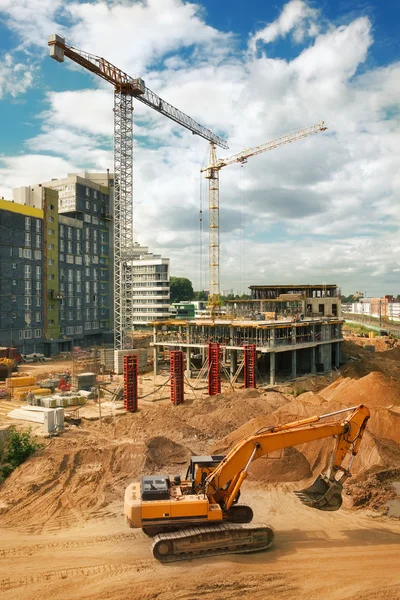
pixel 224 483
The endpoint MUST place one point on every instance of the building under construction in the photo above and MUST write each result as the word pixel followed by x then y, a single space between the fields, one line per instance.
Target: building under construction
pixel 295 330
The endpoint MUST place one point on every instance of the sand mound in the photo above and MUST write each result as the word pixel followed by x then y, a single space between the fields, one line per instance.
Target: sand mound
pixel 162 453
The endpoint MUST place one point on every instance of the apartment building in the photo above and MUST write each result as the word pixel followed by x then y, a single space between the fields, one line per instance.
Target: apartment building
pixel 148 298
pixel 56 264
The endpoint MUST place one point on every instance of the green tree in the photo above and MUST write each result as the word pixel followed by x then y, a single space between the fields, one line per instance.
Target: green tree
pixel 200 296
pixel 181 288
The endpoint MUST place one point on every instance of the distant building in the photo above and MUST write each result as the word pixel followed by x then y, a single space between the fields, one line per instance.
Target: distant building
pixel 150 290
pixel 387 306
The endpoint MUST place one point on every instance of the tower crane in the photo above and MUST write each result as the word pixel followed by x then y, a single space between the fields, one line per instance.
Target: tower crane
pixel 126 88
pixel 212 174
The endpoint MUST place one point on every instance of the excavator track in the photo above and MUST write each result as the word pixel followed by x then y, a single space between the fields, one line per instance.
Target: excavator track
pixel 214 540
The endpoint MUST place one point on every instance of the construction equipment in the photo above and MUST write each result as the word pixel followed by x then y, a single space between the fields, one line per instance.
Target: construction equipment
pixel 212 174
pixel 200 515
pixel 125 88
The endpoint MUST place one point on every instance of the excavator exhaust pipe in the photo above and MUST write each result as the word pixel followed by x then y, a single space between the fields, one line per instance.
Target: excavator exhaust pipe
pixel 323 494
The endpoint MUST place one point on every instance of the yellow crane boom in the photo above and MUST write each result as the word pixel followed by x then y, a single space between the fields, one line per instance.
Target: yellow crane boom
pixel 212 174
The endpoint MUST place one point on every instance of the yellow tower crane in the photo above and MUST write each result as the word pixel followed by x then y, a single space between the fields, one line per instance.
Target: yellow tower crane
pixel 212 174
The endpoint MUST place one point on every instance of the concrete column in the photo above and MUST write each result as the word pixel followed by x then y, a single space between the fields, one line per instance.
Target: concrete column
pixel 313 366
pixel 188 371
pixel 294 364
pixel 293 335
pixel 203 354
pixel 272 376
pixel 234 354
pixel 155 360
pixel 272 337
pixel 337 354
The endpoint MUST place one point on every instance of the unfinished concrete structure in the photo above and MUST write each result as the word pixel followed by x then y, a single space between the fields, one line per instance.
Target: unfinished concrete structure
pixel 289 346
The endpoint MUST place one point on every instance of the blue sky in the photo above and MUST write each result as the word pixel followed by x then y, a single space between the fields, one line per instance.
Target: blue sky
pixel 322 209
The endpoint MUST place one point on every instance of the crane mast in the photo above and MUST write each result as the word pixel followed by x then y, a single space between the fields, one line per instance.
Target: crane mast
pixel 126 88
pixel 212 174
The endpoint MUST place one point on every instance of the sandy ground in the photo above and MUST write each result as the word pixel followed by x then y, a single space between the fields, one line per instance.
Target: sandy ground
pixel 336 556
pixel 63 536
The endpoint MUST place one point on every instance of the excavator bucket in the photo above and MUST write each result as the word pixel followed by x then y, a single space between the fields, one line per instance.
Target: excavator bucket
pixel 323 494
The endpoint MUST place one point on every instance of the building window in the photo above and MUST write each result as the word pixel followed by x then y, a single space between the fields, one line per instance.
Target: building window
pixel 78 260
pixel 28 301
pixel 62 247
pixel 27 222
pixel 50 262
pixel 27 271
pixel 38 226
pixel 70 289
pixel 38 301
pixel 87 298
pixel 87 325
pixel 78 234
pixel 62 257
pixel 61 230
pixel 78 288
pixel 21 334
pixel 28 239
pixel 51 306
pixel 88 192
pixel 38 272
pixel 51 321
pixel 27 332
pixel 38 241
pixel 71 301
pixel 70 259
pixel 38 254
pixel 51 277
pixel 95 194
pixel 69 233
pixel 28 317
pixel 95 207
pixel 78 248
pixel 95 220
pixel 50 246
pixel 38 332
pixel 87 218
pixel 38 317
pixel 27 253
pixel 38 287
pixel 87 205
pixel 50 219
pixel 51 231
pixel 70 315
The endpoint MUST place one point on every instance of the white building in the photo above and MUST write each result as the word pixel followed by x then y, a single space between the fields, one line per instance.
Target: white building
pixel 150 287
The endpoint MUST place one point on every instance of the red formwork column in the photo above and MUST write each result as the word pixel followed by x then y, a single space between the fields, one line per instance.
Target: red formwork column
pixel 214 374
pixel 131 368
pixel 177 370
pixel 250 365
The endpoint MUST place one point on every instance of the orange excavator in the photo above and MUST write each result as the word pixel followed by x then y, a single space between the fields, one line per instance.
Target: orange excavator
pixel 200 515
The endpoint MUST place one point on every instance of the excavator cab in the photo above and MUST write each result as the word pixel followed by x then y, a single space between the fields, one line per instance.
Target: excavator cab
pixel 323 494
pixel 199 469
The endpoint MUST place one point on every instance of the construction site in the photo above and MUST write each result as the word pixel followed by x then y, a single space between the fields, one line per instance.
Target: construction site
pixel 252 452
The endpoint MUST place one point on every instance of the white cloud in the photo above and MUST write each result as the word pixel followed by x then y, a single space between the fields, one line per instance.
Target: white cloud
pixel 297 17
pixel 323 208
pixel 15 77
pixel 33 20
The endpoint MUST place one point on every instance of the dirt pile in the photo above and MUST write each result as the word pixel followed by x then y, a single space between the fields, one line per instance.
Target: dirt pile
pixel 362 362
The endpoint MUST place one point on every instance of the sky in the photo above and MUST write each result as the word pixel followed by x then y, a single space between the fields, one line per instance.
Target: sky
pixel 322 209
